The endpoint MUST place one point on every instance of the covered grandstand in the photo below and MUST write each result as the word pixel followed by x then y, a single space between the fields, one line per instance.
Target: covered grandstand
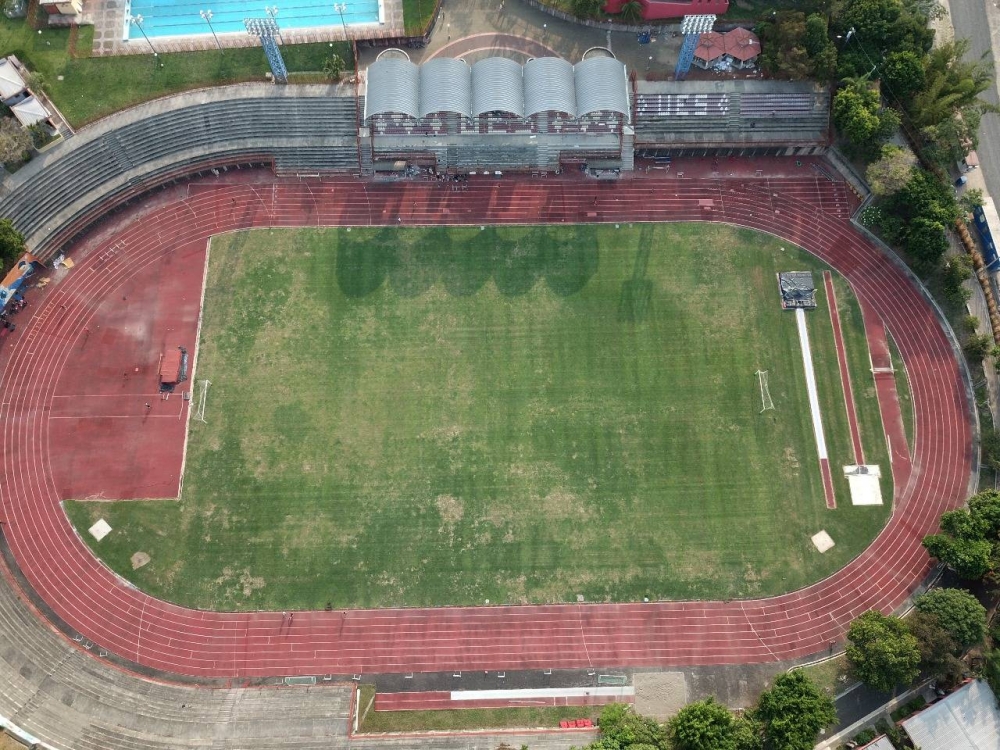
pixel 497 113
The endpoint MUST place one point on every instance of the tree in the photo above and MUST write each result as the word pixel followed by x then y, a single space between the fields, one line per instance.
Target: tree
pixel 705 725
pixel 902 76
pixel 891 172
pixel 860 117
pixel 793 712
pixel 796 46
pixel 952 84
pixel 333 66
pixel 622 727
pixel 14 140
pixel 11 244
pixel 971 199
pixel 971 559
pixel 977 347
pixel 937 647
pixel 879 25
pixel 631 11
pixel 882 652
pixel 927 197
pixel 926 243
pixel 990 446
pixel 587 8
pixel 958 612
pixel 748 733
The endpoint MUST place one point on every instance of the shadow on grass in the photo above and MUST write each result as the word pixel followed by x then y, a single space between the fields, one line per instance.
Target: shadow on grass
pixel 566 261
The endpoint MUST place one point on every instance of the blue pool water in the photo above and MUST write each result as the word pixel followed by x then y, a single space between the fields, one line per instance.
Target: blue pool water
pixel 162 18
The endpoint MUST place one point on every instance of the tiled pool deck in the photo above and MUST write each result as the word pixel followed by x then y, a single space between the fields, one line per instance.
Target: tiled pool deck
pixel 108 17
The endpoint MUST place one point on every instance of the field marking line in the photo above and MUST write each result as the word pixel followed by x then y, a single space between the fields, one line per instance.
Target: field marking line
pixel 807 362
pixel 194 366
pixel 817 418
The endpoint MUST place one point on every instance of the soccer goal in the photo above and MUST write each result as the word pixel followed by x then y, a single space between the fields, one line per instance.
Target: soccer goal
pixel 765 394
pixel 199 413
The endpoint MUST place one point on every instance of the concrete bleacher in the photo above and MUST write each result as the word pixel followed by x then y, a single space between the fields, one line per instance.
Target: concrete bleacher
pixel 726 114
pixel 60 694
pixel 311 128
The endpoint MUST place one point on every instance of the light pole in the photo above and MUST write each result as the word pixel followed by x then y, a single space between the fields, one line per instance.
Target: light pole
pixel 207 15
pixel 137 22
pixel 272 11
pixel 341 8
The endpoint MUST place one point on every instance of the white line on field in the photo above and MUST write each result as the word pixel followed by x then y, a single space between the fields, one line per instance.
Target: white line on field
pixel 807 363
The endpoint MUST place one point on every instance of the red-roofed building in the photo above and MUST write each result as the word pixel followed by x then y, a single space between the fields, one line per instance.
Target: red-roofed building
pixel 711 47
pixel 743 47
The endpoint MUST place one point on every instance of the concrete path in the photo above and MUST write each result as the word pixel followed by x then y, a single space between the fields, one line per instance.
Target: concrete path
pixel 466 18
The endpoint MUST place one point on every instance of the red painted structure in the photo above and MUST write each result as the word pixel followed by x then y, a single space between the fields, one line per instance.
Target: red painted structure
pixel 658 10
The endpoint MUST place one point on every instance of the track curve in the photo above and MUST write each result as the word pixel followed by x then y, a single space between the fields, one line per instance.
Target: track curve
pixel 160 635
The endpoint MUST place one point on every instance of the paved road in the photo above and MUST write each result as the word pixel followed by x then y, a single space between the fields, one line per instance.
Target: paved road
pixel 979 22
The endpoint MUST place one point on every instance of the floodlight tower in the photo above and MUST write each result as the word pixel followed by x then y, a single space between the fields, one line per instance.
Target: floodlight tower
pixel 266 29
pixel 692 27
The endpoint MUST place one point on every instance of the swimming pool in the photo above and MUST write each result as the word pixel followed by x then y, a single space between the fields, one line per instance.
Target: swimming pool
pixel 162 18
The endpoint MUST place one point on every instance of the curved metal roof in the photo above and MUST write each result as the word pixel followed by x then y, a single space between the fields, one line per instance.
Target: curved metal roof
pixel 392 87
pixel 601 85
pixel 549 85
pixel 497 86
pixel 445 86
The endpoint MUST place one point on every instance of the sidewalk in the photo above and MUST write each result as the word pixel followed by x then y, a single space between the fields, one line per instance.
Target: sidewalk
pixel 945 32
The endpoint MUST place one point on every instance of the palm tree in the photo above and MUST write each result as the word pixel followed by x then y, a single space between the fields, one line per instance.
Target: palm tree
pixel 632 11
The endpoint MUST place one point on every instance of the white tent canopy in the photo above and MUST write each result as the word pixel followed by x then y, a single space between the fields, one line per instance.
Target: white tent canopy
pixel 30 111
pixel 11 83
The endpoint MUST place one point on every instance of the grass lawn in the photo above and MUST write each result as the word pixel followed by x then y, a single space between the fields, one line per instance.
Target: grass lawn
pixel 831 676
pixel 522 414
pixel 96 86
pixel 417 15
pixel 372 721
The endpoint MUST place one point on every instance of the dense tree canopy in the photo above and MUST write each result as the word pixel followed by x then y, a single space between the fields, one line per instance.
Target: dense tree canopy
pixel 705 725
pixel 793 712
pixel 891 172
pixel 794 45
pixel 861 119
pixel 937 647
pixel 969 542
pixel 14 140
pixel 879 26
pixel 902 75
pixel 11 244
pixel 882 651
pixel 958 612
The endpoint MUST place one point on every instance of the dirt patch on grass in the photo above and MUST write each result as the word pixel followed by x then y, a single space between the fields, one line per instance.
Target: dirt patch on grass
pixel 245 583
pixel 140 559
pixel 450 508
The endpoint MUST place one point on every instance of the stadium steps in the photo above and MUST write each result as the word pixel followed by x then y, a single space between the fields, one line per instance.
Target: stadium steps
pixel 86 167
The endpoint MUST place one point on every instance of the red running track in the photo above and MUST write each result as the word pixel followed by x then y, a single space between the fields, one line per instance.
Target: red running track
pixel 160 635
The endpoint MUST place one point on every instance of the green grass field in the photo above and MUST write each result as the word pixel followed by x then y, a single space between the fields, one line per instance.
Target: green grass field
pixel 524 414
pixel 92 87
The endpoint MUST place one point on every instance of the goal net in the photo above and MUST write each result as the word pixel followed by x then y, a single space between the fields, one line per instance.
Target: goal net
pixel 199 412
pixel 765 394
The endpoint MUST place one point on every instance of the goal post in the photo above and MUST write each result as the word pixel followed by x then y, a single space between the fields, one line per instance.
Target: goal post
pixel 199 413
pixel 766 403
